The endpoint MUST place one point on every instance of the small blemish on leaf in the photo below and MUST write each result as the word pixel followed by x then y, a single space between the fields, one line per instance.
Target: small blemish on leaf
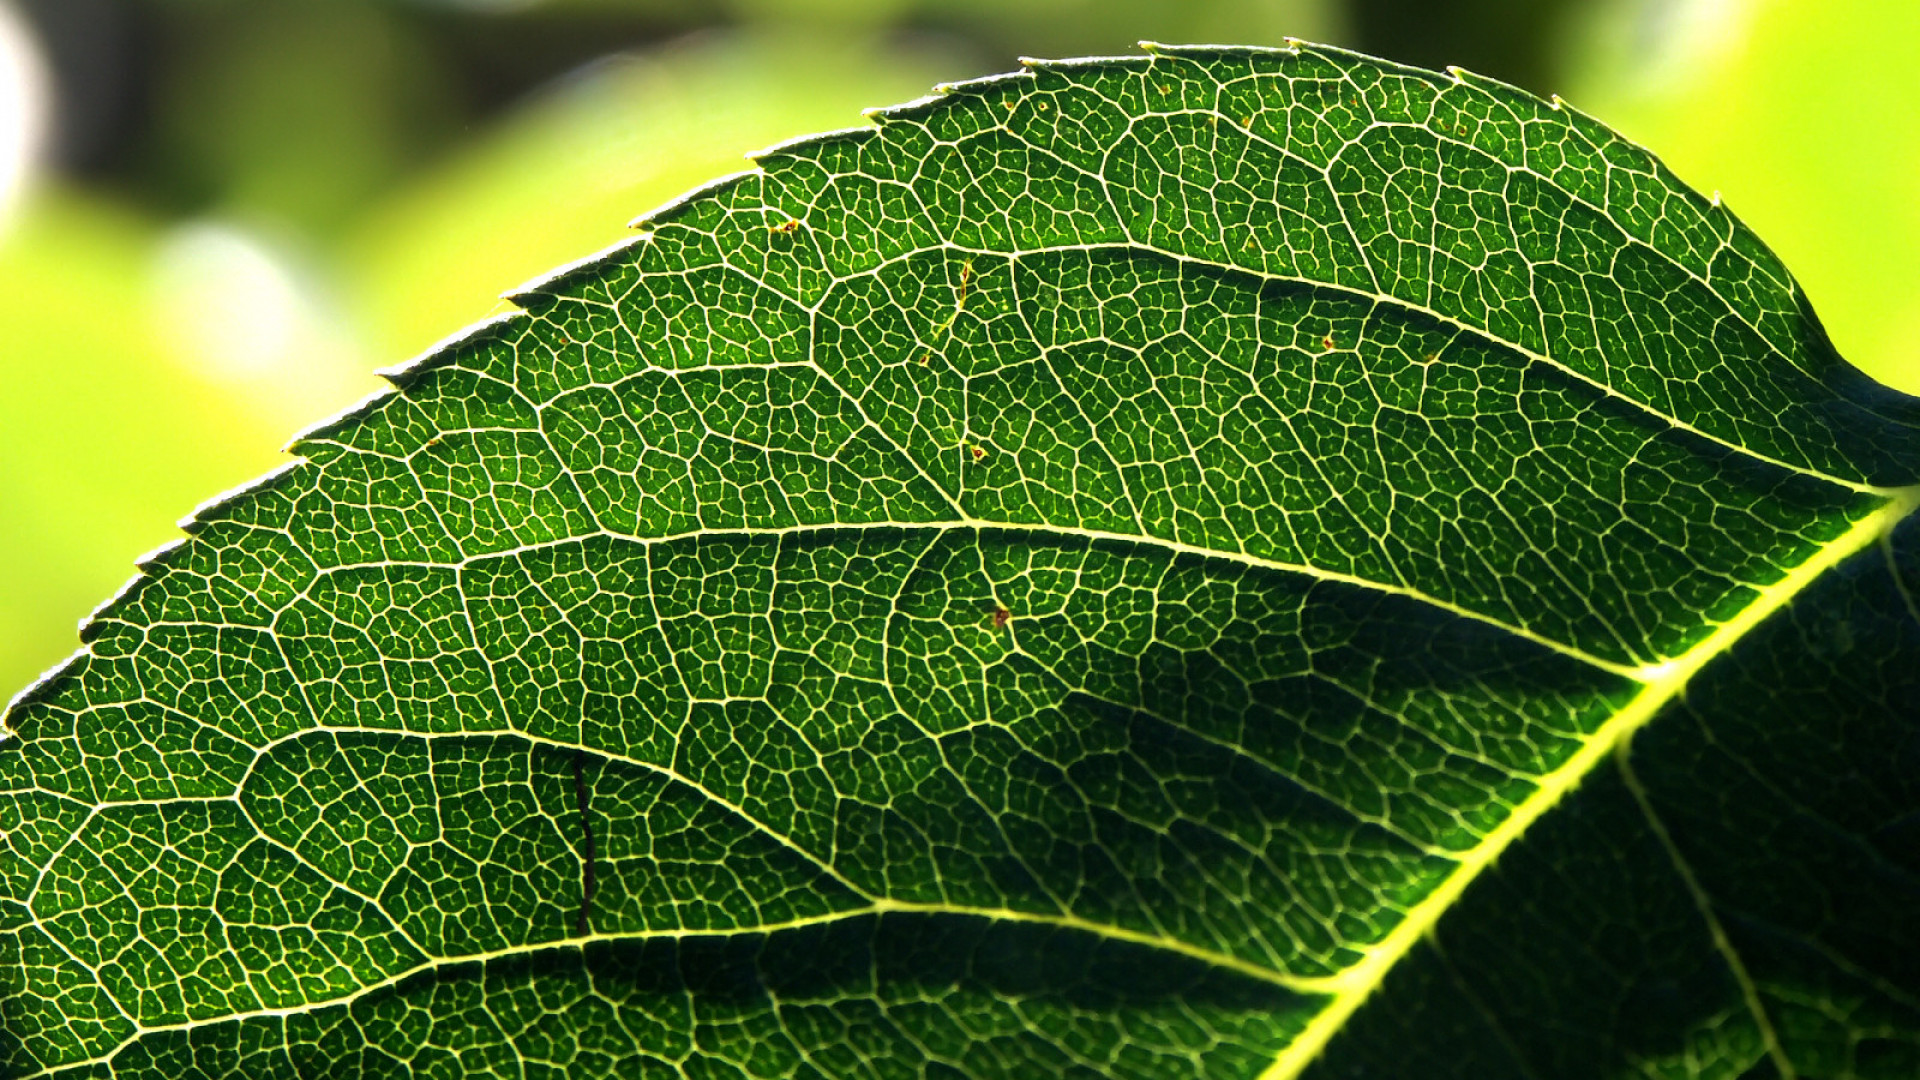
pixel 790 225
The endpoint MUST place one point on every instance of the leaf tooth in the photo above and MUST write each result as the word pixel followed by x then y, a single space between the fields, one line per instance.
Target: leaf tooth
pixel 791 147
pixel 148 565
pixel 108 610
pixel 1597 132
pixel 345 418
pixel 214 509
pixel 36 691
pixel 656 215
pixel 1202 50
pixel 158 556
pixel 529 293
pixel 147 569
pixel 1600 134
pixel 983 85
pixel 1500 91
pixel 1349 58
pixel 906 110
pixel 407 372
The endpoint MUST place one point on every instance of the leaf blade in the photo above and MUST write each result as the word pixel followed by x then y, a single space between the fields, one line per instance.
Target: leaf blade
pixel 1034 563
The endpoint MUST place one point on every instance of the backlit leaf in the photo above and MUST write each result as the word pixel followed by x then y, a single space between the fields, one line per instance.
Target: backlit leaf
pixel 1222 563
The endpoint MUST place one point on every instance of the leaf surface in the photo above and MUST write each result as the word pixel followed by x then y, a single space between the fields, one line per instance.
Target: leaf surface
pixel 1223 563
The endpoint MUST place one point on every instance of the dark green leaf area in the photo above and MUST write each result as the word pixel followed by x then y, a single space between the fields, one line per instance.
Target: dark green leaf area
pixel 1808 739
pixel 765 730
pixel 1589 950
pixel 890 996
pixel 1059 727
pixel 1579 955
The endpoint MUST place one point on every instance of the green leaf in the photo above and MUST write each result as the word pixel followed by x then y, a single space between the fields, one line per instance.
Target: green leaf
pixel 1224 563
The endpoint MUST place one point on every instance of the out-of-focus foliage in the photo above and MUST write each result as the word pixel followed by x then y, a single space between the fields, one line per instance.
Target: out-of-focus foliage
pixel 619 138
pixel 23 89
pixel 1806 117
pixel 104 438
pixel 300 112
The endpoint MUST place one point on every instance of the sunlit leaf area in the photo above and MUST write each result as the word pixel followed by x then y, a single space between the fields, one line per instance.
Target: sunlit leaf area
pixel 218 217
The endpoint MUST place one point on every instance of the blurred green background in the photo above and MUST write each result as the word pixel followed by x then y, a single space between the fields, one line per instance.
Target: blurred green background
pixel 217 217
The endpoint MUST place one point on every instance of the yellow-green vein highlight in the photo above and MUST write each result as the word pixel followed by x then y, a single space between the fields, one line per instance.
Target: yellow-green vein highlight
pixel 1662 683
pixel 1749 993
